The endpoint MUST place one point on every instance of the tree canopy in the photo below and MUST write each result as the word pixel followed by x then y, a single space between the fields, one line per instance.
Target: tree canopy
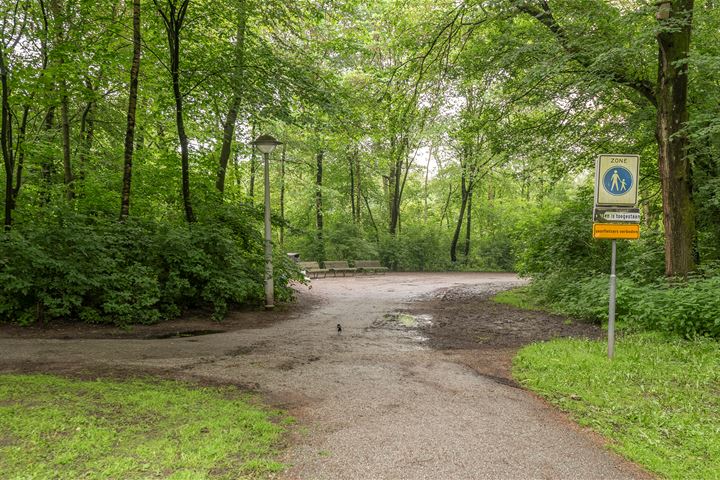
pixel 427 134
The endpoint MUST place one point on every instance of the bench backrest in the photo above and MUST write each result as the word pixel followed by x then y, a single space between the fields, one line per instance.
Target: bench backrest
pixel 337 264
pixel 367 263
pixel 307 265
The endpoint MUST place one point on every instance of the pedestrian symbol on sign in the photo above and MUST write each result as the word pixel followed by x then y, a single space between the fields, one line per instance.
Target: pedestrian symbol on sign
pixel 617 181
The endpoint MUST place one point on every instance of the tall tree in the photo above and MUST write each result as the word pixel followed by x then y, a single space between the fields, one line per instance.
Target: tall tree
pixel 669 96
pixel 173 14
pixel 673 37
pixel 11 31
pixel 132 107
pixel 60 14
pixel 319 220
pixel 237 92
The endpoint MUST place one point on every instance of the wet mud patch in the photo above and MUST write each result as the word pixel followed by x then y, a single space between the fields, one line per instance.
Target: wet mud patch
pixel 182 334
pixel 403 321
pixel 408 325
pixel 472 329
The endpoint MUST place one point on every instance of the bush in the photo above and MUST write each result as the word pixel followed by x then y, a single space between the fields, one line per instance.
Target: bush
pixel 101 271
pixel 689 309
pixel 347 242
pixel 495 254
pixel 560 239
pixel 417 248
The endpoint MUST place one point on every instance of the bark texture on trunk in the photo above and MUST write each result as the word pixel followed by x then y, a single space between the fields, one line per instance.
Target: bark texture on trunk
pixel 6 141
pixel 87 133
pixel 67 159
pixel 468 226
pixel 253 167
pixel 20 156
pixel 672 116
pixel 399 168
pixel 132 107
pixel 461 216
pixel 174 18
pixel 319 223
pixel 283 158
pixel 351 165
pixel 231 118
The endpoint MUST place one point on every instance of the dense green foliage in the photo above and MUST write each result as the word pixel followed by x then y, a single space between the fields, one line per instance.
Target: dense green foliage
pixel 67 429
pixel 431 135
pixel 142 271
pixel 570 274
pixel 656 401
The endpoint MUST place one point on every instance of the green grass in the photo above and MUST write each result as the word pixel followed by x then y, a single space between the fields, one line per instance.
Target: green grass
pixel 658 401
pixel 518 297
pixel 57 428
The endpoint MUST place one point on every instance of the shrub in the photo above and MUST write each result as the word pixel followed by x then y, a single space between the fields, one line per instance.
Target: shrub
pixel 689 309
pixel 101 271
pixel 495 253
pixel 417 248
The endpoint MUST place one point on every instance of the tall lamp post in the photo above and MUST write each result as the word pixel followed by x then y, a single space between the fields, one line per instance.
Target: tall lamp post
pixel 266 144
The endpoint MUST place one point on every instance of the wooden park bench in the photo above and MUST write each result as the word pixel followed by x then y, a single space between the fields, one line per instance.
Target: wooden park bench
pixel 313 268
pixel 370 266
pixel 339 266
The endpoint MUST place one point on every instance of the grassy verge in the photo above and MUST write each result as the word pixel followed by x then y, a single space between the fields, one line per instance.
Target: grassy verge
pixel 519 298
pixel 658 401
pixel 52 427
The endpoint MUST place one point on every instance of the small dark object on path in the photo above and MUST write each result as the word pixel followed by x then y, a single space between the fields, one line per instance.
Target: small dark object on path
pixel 339 327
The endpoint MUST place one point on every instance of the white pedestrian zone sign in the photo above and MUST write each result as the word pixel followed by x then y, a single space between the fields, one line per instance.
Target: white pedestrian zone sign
pixel 616 179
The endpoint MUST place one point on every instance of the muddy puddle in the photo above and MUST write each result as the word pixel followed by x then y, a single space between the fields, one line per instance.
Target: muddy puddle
pixel 411 325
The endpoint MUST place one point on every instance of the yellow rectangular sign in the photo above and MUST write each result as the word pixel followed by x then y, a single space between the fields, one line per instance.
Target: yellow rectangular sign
pixel 612 231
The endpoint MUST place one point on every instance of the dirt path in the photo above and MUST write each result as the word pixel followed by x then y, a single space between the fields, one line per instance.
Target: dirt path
pixel 425 394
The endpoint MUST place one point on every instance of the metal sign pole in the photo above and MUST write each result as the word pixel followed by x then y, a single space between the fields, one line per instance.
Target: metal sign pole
pixel 611 316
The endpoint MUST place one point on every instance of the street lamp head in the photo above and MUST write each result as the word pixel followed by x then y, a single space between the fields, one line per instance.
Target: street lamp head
pixel 266 143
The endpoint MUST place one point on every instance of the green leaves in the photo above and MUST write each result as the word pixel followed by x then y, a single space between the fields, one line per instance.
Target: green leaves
pixel 101 271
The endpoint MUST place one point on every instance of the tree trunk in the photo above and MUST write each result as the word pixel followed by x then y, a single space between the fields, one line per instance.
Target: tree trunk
pixel 182 136
pixel 351 165
pixel 468 226
pixel 87 133
pixel 253 167
pixel 425 189
pixel 173 19
pixel 59 29
pixel 20 149
pixel 358 185
pixel 67 161
pixel 283 158
pixel 461 216
pixel 672 116
pixel 445 215
pixel 229 126
pixel 6 140
pixel 319 207
pixel 394 190
pixel 236 165
pixel 132 106
pixel 46 165
pixel 370 216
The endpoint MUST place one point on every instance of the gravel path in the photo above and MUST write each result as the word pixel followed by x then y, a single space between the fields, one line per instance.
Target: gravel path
pixel 375 402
